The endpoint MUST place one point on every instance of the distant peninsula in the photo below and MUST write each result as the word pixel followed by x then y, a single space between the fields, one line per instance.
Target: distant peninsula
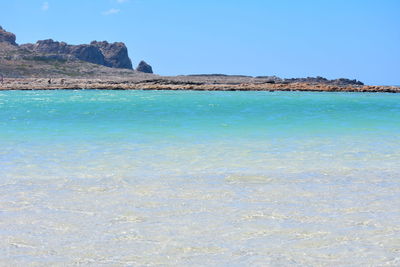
pixel 48 58
pixel 48 64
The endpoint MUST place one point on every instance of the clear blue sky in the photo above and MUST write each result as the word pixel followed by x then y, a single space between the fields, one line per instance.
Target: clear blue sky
pixel 332 38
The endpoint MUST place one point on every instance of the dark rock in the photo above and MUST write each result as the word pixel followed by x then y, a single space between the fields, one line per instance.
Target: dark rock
pixel 7 37
pixel 144 67
pixel 322 80
pixel 87 53
pixel 115 54
pixel 343 81
pixel 315 80
pixel 49 47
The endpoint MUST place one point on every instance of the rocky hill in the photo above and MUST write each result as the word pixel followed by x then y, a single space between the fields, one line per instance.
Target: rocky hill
pixel 48 58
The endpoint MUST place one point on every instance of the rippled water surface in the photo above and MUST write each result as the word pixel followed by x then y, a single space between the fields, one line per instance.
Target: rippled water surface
pixel 133 178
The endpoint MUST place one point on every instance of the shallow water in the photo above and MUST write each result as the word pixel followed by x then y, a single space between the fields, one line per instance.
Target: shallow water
pixel 133 178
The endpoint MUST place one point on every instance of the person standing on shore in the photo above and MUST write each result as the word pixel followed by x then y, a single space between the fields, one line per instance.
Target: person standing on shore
pixel 1 78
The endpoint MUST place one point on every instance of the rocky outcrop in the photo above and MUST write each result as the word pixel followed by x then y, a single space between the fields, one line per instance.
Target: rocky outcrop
pixel 48 47
pixel 59 59
pixel 345 82
pixel 115 54
pixel 144 67
pixel 322 80
pixel 311 80
pixel 7 37
pixel 88 53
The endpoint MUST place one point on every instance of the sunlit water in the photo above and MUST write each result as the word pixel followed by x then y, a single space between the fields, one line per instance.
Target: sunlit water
pixel 133 178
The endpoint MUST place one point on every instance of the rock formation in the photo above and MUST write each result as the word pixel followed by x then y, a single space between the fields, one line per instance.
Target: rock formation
pixel 47 58
pixel 322 80
pixel 48 46
pixel 311 80
pixel 115 54
pixel 7 37
pixel 86 53
pixel 144 67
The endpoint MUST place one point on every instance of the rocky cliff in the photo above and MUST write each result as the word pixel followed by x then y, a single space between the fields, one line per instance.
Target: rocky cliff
pixel 113 55
pixel 7 37
pixel 64 51
pixel 49 58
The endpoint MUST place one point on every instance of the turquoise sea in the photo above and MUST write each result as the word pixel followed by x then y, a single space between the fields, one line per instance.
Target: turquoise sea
pixel 144 178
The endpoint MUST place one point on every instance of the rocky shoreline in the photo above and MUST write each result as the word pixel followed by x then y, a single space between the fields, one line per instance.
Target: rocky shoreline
pixel 209 83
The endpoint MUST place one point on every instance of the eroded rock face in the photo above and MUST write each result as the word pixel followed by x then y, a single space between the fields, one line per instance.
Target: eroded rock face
pixel 7 37
pixel 87 53
pixel 144 67
pixel 115 54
